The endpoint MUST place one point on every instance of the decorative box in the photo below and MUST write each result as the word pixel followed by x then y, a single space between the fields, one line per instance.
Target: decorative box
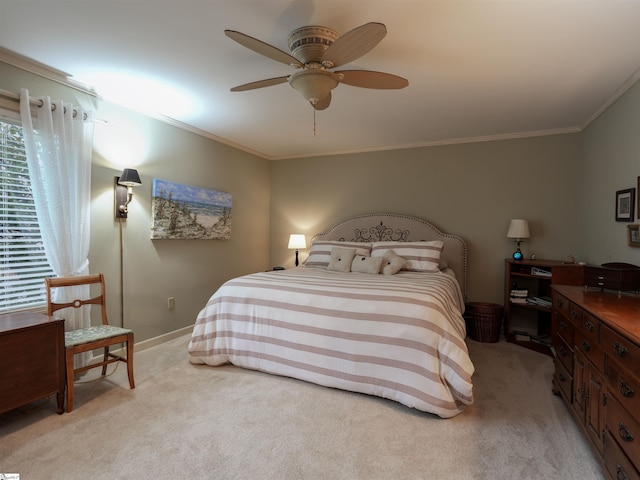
pixel 622 277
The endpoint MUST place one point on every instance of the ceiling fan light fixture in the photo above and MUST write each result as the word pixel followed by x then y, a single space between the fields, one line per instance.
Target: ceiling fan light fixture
pixel 308 44
pixel 316 51
pixel 314 85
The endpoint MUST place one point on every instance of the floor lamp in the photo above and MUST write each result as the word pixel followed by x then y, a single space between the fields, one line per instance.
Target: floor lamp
pixel 123 194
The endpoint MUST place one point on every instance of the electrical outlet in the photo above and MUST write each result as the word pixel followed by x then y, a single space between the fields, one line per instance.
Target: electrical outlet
pixel 171 303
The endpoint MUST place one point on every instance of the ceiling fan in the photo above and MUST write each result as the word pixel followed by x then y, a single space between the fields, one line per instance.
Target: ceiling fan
pixel 315 51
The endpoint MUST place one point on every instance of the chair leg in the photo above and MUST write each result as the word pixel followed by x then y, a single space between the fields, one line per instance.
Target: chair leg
pixel 132 384
pixel 70 377
pixel 104 359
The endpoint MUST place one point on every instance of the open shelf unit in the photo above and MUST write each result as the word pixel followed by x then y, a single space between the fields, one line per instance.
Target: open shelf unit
pixel 528 324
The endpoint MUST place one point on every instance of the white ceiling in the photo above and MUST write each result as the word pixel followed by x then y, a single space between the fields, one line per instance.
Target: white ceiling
pixel 477 69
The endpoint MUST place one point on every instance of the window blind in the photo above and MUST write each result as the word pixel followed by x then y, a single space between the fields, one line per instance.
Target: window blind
pixel 23 263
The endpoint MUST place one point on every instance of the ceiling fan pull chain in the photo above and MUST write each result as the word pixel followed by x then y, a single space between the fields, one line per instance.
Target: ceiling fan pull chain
pixel 314 122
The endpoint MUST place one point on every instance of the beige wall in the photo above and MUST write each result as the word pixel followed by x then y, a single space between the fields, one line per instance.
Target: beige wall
pixel 611 162
pixel 472 190
pixel 189 270
pixel 563 184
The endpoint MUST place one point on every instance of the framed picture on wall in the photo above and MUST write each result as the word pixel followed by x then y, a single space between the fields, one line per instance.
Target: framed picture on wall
pixel 638 190
pixel 633 235
pixel 625 204
pixel 180 212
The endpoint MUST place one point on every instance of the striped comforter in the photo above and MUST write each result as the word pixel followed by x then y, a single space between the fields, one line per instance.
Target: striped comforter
pixel 399 337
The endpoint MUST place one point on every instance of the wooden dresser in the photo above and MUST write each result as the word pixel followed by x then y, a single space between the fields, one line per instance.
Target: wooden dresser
pixel 31 359
pixel 596 342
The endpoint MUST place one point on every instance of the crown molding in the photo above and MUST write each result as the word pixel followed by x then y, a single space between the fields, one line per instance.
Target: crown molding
pixel 42 70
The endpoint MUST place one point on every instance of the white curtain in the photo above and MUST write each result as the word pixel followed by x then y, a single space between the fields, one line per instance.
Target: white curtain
pixel 58 142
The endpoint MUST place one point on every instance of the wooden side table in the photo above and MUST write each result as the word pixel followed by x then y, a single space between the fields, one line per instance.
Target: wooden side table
pixel 31 359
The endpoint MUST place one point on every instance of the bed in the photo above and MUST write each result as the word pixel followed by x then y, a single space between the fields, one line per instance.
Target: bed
pixel 398 335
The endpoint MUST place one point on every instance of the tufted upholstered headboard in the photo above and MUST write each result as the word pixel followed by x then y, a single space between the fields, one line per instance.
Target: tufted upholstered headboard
pixel 378 227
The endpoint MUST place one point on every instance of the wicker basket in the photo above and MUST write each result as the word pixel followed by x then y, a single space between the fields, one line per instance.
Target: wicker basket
pixel 483 321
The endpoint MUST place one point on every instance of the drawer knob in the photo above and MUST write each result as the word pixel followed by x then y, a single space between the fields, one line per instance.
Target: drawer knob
pixel 626 390
pixel 563 326
pixel 620 473
pixel 589 325
pixel 586 345
pixel 620 350
pixel 624 432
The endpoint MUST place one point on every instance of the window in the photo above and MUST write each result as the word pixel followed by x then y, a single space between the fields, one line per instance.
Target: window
pixel 23 264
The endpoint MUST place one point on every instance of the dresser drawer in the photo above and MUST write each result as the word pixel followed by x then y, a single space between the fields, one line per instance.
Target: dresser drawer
pixel 564 352
pixel 561 304
pixel 616 462
pixel 563 380
pixel 591 350
pixel 565 329
pixel 624 351
pixel 624 429
pixel 589 326
pixel 625 386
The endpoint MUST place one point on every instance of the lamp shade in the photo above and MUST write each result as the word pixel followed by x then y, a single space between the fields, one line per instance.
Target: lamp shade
pixel 297 240
pixel 130 178
pixel 518 228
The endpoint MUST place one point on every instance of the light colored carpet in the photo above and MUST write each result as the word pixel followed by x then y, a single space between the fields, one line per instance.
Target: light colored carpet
pixel 190 422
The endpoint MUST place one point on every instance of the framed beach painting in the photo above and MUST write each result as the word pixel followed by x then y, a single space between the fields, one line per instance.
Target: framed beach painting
pixel 186 212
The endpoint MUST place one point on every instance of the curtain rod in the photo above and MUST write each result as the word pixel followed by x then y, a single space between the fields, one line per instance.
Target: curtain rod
pixel 40 103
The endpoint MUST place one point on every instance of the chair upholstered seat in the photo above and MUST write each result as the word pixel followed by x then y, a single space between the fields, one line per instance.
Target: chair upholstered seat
pixel 92 334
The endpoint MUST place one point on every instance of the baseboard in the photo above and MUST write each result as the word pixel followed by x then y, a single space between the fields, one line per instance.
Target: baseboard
pixel 152 342
pixel 159 340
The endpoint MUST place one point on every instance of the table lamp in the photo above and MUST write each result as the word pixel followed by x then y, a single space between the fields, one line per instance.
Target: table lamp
pixel 297 241
pixel 518 229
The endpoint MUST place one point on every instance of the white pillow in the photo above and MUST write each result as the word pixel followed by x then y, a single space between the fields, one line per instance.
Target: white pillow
pixel 362 264
pixel 391 263
pixel 341 259
pixel 320 251
pixel 419 256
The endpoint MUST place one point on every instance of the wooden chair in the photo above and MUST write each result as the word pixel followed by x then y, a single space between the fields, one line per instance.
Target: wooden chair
pixel 93 337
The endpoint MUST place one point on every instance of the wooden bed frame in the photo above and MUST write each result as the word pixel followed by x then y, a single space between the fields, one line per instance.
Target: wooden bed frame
pixel 382 227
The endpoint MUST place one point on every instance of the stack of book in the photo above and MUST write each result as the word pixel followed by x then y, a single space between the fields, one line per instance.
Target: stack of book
pixel 540 272
pixel 521 336
pixel 518 295
pixel 540 301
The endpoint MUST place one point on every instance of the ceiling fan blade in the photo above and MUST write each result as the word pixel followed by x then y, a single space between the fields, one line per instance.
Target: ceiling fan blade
pixel 322 104
pixel 370 79
pixel 263 48
pixel 260 84
pixel 354 44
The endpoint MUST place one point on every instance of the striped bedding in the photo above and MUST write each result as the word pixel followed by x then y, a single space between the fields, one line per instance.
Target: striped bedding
pixel 399 337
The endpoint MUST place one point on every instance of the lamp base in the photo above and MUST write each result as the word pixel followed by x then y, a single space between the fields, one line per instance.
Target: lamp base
pixel 517 255
pixel 296 257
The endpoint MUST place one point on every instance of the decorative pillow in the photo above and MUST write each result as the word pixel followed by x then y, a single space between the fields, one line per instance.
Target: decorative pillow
pixel 341 259
pixel 362 264
pixel 391 263
pixel 320 251
pixel 419 256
